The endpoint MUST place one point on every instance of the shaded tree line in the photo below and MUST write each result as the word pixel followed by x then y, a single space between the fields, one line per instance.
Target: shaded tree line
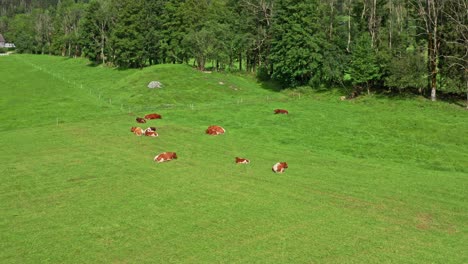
pixel 370 45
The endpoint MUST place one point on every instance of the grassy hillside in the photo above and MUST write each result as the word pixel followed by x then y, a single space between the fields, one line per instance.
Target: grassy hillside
pixel 371 180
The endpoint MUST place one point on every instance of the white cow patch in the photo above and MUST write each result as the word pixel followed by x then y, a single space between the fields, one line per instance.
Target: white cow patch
pixel 157 159
pixel 275 168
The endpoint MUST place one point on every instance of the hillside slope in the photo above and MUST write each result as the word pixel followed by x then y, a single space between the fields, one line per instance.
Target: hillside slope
pixel 369 180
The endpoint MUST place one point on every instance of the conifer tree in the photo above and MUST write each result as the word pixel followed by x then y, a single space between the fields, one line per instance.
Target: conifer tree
pixel 127 39
pixel 296 51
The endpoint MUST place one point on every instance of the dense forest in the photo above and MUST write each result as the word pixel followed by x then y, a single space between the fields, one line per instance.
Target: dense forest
pixel 370 45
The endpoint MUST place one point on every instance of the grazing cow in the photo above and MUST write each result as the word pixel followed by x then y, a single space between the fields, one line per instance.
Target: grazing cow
pixel 165 156
pixel 140 120
pixel 215 130
pixel 137 131
pixel 280 167
pixel 242 161
pixel 153 116
pixel 281 111
pixel 149 132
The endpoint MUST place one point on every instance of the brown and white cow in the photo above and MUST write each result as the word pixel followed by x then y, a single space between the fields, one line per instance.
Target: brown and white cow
pixel 140 120
pixel 137 131
pixel 153 116
pixel 242 161
pixel 281 111
pixel 215 130
pixel 151 132
pixel 165 156
pixel 279 167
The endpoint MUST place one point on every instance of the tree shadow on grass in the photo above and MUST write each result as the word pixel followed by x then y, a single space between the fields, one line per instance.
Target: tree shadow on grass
pixel 458 99
pixel 93 64
pixel 270 85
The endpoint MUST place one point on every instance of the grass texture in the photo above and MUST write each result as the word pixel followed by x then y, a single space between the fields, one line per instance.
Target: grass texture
pixel 371 180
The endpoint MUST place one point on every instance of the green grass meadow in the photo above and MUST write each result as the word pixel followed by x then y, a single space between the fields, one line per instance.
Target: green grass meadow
pixel 372 180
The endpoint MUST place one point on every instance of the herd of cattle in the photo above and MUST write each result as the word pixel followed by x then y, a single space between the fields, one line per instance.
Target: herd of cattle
pixel 211 130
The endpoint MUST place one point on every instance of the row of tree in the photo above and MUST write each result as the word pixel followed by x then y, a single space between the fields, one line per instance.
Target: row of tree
pixel 369 44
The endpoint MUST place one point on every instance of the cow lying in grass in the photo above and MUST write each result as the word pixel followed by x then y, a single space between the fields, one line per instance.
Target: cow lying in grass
pixel 150 131
pixel 140 120
pixel 242 161
pixel 215 130
pixel 137 131
pixel 279 167
pixel 153 116
pixel 281 111
pixel 165 156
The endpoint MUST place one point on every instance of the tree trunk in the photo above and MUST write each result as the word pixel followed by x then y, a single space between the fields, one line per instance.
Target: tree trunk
pixel 466 80
pixel 467 96
pixel 432 67
pixel 433 86
pixel 390 26
pixel 372 23
pixel 102 49
pixel 349 27
pixel 201 63
pixel 332 17
pixel 240 61
pixel 430 12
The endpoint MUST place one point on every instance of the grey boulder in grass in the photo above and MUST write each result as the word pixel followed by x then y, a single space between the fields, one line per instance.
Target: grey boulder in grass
pixel 154 84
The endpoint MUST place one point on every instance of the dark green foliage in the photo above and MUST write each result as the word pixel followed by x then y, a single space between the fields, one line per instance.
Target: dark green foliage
pixel 407 70
pixel 378 44
pixel 209 33
pixel 154 10
pixel 201 44
pixel 171 33
pixel 297 44
pixel 263 73
pixel 66 40
pixel 364 68
pixel 127 39
pixel 454 47
pixel 95 30
pixel 22 33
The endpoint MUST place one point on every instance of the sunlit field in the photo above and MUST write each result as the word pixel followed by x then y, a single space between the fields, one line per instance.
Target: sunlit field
pixel 370 180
